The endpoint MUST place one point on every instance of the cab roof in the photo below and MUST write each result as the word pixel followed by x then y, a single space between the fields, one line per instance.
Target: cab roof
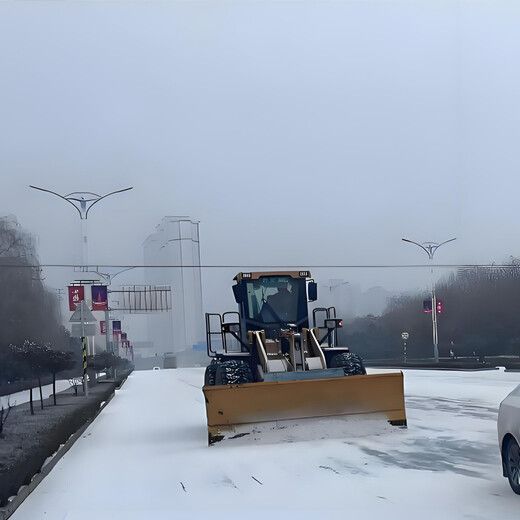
pixel 258 274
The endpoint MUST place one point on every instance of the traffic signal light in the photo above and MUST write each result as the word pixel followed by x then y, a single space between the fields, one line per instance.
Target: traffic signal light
pixel 439 306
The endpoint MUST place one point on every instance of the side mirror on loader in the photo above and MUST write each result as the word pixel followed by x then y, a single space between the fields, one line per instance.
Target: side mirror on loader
pixel 312 291
pixel 240 292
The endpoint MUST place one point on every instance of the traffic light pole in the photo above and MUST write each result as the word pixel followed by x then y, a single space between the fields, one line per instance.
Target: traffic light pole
pixel 434 325
pixel 429 248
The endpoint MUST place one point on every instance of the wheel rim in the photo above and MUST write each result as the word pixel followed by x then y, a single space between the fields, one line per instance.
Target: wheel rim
pixel 514 462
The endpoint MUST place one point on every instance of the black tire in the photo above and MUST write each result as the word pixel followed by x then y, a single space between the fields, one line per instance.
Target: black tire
pixel 233 372
pixel 512 464
pixel 352 364
pixel 209 374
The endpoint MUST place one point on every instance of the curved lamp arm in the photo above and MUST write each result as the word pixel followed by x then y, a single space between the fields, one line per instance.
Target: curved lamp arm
pixel 105 196
pixel 420 245
pixel 432 247
pixel 60 196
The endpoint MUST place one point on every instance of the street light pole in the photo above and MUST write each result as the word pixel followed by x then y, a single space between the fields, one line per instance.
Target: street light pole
pixel 83 202
pixel 336 285
pixel 430 248
pixel 108 278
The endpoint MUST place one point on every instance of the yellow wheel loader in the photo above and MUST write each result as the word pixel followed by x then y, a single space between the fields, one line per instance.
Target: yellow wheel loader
pixel 269 365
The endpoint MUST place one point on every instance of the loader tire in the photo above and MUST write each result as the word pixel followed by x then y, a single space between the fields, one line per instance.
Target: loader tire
pixel 210 373
pixel 233 372
pixel 352 364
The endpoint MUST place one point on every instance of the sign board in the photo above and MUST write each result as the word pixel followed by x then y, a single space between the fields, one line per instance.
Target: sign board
pixel 143 298
pixel 79 331
pixel 82 314
pixel 99 298
pixel 405 335
pixel 76 295
pixel 103 327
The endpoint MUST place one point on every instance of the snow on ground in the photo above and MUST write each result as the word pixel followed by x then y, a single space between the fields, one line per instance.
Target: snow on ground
pixel 146 457
pixel 23 397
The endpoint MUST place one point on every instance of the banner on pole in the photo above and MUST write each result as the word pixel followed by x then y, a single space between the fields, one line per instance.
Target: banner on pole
pixel 99 298
pixel 123 336
pixel 76 295
pixel 116 326
pixel 103 327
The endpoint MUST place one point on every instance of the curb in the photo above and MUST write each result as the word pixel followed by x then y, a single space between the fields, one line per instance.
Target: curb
pixel 48 465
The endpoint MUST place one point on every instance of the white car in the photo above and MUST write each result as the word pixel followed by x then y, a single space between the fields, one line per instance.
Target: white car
pixel 509 438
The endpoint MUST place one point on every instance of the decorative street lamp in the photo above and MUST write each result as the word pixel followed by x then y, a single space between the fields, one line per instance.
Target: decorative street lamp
pixel 430 248
pixel 83 202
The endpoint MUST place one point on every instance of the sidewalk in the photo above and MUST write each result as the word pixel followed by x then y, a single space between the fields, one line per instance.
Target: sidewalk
pixel 29 440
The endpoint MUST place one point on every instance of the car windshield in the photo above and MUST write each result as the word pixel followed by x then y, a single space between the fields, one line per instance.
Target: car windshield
pixel 274 299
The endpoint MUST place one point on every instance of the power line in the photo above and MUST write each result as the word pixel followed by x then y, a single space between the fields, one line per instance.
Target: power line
pixel 278 266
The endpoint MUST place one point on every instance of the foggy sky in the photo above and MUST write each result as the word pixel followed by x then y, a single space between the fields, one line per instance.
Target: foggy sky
pixel 300 133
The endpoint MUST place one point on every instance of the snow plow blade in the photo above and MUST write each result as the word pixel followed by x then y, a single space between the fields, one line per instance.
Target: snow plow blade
pixel 232 406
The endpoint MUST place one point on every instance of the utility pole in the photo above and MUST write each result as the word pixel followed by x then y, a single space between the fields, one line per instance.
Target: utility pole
pixel 430 248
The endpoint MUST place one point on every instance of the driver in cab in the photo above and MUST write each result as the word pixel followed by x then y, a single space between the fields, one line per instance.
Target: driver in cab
pixel 281 303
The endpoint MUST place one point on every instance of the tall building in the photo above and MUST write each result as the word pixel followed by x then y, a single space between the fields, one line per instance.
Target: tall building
pixel 172 257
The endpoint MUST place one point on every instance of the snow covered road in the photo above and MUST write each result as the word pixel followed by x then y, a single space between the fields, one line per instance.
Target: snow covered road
pixel 146 457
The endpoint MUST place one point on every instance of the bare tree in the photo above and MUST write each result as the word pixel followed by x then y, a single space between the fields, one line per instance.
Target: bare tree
pixel 28 311
pixel 4 415
pixel 55 362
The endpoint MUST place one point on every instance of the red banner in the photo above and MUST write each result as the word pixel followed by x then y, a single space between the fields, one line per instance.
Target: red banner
pixel 123 336
pixel 103 327
pixel 76 295
pixel 99 298
pixel 117 334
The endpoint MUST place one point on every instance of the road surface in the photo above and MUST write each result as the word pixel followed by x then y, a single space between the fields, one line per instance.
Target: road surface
pixel 146 457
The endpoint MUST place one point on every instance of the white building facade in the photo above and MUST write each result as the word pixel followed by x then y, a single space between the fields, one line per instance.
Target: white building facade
pixel 172 257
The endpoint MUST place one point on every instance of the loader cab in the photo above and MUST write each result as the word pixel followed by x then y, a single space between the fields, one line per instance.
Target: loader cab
pixel 272 301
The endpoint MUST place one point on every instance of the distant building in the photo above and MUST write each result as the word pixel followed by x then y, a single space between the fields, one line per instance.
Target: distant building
pixel 179 332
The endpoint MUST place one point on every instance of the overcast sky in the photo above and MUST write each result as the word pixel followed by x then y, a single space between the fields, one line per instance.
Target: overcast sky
pixel 297 132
